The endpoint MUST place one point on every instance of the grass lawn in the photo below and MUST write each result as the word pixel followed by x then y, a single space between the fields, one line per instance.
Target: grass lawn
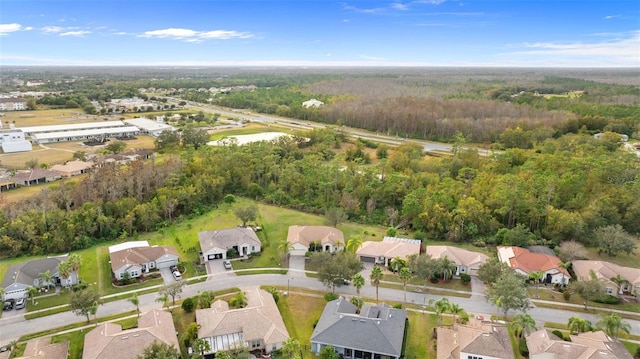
pixel 624 259
pixel 546 294
pixel 249 129
pixel 76 342
pixel 418 343
pixel 299 313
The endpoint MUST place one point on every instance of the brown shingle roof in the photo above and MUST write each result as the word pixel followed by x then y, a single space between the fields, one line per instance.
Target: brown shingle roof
pixel 590 345
pixel 307 234
pixel 476 337
pixel 605 271
pixel 42 348
pixel 139 255
pixel 108 340
pixel 457 255
pixel 388 249
pixel 227 238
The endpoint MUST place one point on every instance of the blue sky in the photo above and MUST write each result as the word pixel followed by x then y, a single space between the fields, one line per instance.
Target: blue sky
pixel 547 33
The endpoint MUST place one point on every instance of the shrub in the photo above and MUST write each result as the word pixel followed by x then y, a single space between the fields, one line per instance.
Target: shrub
pixel 558 334
pixel 315 322
pixel 522 346
pixel 274 293
pixel 391 232
pixel 566 295
pixel 398 306
pixel 187 305
pixel 465 278
pixel 608 299
pixel 330 296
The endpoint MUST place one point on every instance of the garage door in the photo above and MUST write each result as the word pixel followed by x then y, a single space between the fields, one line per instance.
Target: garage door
pixel 166 264
pixel 297 252
pixel 211 257
pixel 368 259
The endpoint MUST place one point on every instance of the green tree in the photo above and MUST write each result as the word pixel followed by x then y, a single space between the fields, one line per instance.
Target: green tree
pixel 376 276
pixel 333 269
pixel 441 305
pixel 191 332
pixel 84 302
pixel 64 269
pixel 194 137
pixel 456 310
pixel 614 325
pixel 334 216
pixel 578 325
pixel 405 276
pixel 164 299
pixel 353 243
pixel 537 277
pixel 45 278
pixel 291 349
pixel 239 300
pixel 222 355
pixel 589 290
pixel 509 292
pixel 523 324
pixel 614 239
pixel 396 264
pixel 328 353
pixel 135 301
pixel 76 262
pixel 201 346
pixel 424 267
pixel 31 293
pixel 159 350
pixel 358 302
pixel 204 299
pixel 491 270
pixel 116 146
pixel 167 140
pixel 246 214
pixel 358 282
pixel 172 289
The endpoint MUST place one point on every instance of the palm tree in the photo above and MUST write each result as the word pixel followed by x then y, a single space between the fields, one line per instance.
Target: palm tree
pixel 201 346
pixel 358 282
pixel 2 293
pixel 353 243
pixel 284 247
pixel 537 277
pixel 76 262
pixel 405 275
pixel 441 305
pixel 31 293
pixel 376 276
pixel 135 301
pixel 523 323
pixel 579 325
pixel 447 266
pixel 46 278
pixel 613 324
pixel 164 299
pixel 456 310
pixel 64 268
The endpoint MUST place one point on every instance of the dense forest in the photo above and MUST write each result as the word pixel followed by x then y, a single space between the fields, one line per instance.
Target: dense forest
pixel 550 181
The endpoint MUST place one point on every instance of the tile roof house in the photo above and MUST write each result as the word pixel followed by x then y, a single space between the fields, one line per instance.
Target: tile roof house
pixel 466 261
pixel 301 237
pixel 108 340
pixel 138 257
pixel 377 331
pixel 390 247
pixel 605 272
pixel 476 339
pixel 42 348
pixel 21 276
pixel 258 326
pixel 72 168
pixel 215 244
pixel 525 262
pixel 590 345
pixel 35 176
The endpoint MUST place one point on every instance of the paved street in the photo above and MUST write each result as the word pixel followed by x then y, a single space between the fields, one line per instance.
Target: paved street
pixel 13 327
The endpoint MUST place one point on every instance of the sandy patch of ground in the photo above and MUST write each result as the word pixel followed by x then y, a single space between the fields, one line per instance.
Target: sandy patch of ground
pixel 244 139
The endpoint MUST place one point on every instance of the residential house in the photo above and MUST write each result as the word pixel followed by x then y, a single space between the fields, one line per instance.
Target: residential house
pixel 21 276
pixel 466 261
pixel 312 103
pixel 477 339
pixel 35 176
pixel 525 262
pixel 377 331
pixel 590 345
pixel 13 104
pixel 6 181
pixel 258 326
pixel 617 280
pixel 301 237
pixel 384 252
pixel 72 168
pixel 42 348
pixel 108 340
pixel 138 257
pixel 215 244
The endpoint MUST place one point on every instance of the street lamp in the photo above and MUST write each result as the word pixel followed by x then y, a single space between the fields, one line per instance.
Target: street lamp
pixel 288 286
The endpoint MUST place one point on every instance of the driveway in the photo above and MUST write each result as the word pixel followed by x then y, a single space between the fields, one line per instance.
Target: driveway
pixel 215 269
pixel 297 265
pixel 477 288
pixel 167 276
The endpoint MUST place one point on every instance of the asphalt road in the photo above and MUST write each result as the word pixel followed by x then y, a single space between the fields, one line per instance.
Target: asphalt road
pixel 14 327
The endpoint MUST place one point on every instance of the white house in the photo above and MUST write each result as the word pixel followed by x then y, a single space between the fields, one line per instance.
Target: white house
pixel 215 244
pixel 525 262
pixel 137 258
pixel 390 247
pixel 301 237
pixel 466 261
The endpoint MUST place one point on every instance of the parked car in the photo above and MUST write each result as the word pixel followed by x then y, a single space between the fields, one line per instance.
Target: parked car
pixel 21 303
pixel 177 275
pixel 8 304
pixel 227 264
pixel 173 268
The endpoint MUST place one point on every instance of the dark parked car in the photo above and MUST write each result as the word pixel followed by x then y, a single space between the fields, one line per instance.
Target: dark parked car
pixel 8 304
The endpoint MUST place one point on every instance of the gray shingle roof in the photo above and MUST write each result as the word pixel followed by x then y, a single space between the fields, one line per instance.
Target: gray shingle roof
pixel 27 272
pixel 378 329
pixel 227 238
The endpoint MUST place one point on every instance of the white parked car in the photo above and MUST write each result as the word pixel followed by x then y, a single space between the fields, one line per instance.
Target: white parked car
pixel 177 275
pixel 227 264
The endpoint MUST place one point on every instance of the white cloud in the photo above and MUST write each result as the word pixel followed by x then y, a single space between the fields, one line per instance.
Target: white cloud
pixel 8 28
pixel 399 6
pixel 617 50
pixel 52 29
pixel 74 33
pixel 28 28
pixel 196 36
pixel 609 17
pixel 372 58
pixel 432 2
